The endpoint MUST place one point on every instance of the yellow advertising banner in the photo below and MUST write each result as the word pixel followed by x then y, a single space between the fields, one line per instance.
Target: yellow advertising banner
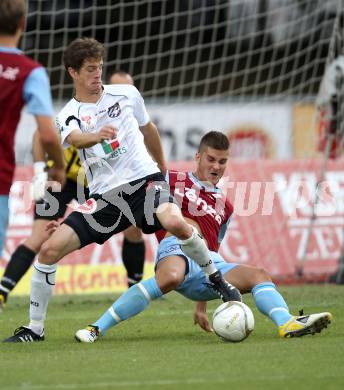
pixel 85 279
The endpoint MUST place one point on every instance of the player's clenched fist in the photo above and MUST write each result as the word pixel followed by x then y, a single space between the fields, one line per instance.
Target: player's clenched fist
pixel 106 133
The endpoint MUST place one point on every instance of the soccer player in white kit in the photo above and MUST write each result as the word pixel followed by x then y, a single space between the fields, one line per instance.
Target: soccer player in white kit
pixel 121 152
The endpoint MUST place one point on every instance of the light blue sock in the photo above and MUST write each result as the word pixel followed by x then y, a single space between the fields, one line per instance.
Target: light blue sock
pixel 271 303
pixel 130 303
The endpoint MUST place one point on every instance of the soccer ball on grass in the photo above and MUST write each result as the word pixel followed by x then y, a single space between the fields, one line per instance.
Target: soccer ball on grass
pixel 233 321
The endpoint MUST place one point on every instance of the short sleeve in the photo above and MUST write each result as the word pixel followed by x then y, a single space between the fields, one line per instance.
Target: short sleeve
pixel 139 107
pixel 65 124
pixel 36 93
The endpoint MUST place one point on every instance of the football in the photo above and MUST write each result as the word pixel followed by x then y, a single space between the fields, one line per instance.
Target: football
pixel 233 321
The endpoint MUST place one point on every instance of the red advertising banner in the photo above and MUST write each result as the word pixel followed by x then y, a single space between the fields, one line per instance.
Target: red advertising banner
pixel 272 227
pixel 275 223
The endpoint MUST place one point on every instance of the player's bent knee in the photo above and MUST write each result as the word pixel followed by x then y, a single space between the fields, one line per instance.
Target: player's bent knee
pixel 49 253
pixel 261 275
pixel 177 227
pixel 34 244
pixel 169 281
pixel 133 234
pixel 245 277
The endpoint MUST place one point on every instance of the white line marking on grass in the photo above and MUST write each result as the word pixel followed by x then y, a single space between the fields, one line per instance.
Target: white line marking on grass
pixel 114 384
pixel 167 382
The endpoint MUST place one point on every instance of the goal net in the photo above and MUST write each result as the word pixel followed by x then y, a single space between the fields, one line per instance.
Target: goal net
pixel 251 68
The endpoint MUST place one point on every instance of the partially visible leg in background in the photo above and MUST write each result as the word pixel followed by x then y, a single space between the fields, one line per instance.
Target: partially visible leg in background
pixel 23 257
pixel 4 214
pixel 133 254
pixel 63 241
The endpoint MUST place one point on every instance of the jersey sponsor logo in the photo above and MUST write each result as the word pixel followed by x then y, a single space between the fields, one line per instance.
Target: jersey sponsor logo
pixel 87 123
pixel 87 119
pixel 110 146
pixel 193 197
pixel 8 73
pixel 100 112
pixel 89 207
pixel 118 152
pixel 114 111
pixel 172 248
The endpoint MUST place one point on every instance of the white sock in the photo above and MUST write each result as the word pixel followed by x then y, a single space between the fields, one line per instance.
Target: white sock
pixel 195 248
pixel 42 284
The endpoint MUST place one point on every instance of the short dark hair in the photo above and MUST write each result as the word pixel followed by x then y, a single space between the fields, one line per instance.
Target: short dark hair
pixel 214 139
pixel 81 49
pixel 11 13
pixel 125 77
pixel 120 72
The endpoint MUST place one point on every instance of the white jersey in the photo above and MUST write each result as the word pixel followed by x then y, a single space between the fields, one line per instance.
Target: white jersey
pixel 328 86
pixel 111 163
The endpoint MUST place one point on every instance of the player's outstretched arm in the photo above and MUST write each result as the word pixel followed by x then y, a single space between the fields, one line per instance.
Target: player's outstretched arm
pixel 51 144
pixel 50 140
pixel 82 140
pixel 153 144
pixel 38 152
pixel 40 176
pixel 200 316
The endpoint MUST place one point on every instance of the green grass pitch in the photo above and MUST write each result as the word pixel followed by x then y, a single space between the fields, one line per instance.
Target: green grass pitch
pixel 162 349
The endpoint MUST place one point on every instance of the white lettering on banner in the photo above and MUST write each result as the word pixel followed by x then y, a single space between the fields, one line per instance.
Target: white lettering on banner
pixel 180 134
pixel 292 193
pixel 233 249
pixel 335 182
pixel 253 198
pixel 273 237
pixel 297 195
pixel 271 189
pixel 20 204
pixel 326 242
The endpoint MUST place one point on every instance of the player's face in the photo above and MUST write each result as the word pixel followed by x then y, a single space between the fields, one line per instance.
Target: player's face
pixel 211 164
pixel 89 76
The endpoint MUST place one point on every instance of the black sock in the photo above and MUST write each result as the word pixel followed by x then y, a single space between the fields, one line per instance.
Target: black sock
pixel 133 255
pixel 20 262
